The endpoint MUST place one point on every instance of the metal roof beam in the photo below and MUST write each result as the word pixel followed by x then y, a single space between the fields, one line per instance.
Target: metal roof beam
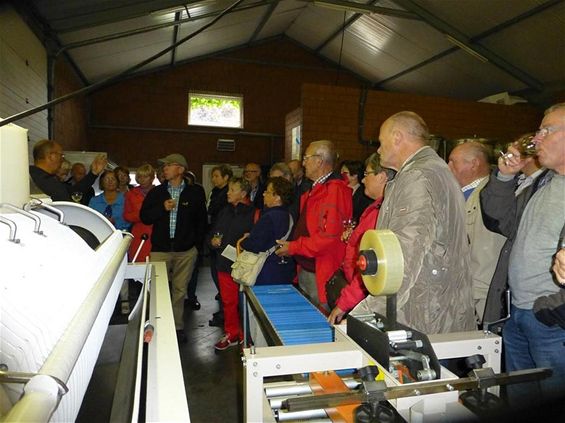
pixel 264 21
pixel 369 7
pixel 465 43
pixel 159 26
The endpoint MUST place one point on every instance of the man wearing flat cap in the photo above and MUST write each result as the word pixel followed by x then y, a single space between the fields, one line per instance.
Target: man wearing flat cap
pixel 177 211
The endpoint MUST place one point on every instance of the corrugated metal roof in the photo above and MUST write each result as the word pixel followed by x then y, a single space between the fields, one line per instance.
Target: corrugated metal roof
pixel 464 49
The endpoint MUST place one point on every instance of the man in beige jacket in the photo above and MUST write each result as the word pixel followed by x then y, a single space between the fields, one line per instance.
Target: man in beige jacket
pixel 469 163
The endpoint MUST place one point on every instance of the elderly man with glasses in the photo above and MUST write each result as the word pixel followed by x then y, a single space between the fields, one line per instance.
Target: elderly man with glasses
pixel 316 242
pixel 47 158
pixel 534 336
pixel 252 174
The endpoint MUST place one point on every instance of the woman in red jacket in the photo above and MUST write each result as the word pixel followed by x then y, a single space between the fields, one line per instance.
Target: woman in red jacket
pixel 134 199
pixel 375 179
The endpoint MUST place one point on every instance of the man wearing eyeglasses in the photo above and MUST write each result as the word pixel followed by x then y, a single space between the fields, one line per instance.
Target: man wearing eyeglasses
pixel 316 241
pixel 534 336
pixel 47 158
pixel 177 211
pixel 252 174
pixel 424 208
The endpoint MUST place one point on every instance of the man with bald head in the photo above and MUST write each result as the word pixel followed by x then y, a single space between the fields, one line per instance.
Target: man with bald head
pixel 47 158
pixel 469 163
pixel 424 208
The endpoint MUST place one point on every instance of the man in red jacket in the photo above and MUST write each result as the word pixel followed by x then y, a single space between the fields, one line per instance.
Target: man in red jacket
pixel 316 244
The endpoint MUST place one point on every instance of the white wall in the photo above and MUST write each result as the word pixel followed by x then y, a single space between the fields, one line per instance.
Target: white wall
pixel 23 73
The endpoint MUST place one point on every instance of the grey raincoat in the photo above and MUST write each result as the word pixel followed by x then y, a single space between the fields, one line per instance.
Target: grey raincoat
pixel 425 209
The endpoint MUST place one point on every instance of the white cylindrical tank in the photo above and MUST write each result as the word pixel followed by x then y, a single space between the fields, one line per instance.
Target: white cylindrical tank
pixel 14 186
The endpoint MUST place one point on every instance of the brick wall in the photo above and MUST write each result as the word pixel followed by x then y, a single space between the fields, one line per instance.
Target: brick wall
pixel 333 113
pixel 144 118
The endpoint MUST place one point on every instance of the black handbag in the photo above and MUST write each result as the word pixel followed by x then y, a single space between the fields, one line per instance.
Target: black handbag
pixel 334 286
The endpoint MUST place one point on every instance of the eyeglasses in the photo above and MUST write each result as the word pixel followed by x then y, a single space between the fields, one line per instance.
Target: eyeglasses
pixel 60 154
pixel 250 171
pixel 370 172
pixel 545 131
pixel 307 156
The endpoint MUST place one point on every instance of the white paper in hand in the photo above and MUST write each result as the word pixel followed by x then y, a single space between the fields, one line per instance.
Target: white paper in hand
pixel 230 253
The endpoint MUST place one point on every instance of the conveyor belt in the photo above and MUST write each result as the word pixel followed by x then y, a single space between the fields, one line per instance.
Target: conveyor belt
pixel 294 319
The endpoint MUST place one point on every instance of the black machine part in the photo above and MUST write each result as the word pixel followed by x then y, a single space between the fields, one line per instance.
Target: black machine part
pixel 375 340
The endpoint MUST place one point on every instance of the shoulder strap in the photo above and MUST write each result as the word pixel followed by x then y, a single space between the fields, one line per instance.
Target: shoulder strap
pixel 285 237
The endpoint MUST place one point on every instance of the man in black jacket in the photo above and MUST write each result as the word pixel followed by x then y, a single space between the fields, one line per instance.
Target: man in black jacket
pixel 47 158
pixel 177 211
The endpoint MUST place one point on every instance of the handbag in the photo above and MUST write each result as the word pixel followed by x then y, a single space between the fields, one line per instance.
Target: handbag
pixel 248 265
pixel 334 286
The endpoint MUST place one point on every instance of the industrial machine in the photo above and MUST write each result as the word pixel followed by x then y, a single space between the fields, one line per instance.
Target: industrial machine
pixel 373 369
pixel 63 265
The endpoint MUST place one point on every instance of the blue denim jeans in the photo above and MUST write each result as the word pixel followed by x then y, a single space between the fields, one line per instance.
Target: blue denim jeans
pixel 528 344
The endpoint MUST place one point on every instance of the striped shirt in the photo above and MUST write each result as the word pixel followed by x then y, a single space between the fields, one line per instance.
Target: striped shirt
pixel 175 194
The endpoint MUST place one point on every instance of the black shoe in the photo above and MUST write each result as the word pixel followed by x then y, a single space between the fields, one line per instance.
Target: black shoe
pixel 193 303
pixel 216 321
pixel 181 337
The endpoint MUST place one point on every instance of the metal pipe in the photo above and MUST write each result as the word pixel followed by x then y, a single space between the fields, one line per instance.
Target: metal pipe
pixel 302 388
pixel 193 131
pixel 285 416
pixel 36 219
pixel 13 229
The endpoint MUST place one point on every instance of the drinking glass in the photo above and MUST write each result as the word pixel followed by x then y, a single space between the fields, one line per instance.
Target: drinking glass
pixel 218 236
pixel 348 226
pixel 76 196
pixel 526 146
pixel 282 259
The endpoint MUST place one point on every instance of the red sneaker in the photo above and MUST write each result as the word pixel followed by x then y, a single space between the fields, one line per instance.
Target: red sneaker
pixel 225 342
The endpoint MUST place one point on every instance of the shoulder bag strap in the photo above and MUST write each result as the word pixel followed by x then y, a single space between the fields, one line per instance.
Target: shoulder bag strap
pixel 285 237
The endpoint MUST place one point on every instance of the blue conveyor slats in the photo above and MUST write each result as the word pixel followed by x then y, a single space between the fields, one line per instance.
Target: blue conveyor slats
pixel 294 318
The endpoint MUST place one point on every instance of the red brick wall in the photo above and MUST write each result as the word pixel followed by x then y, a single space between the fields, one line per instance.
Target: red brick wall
pixel 332 113
pixel 144 118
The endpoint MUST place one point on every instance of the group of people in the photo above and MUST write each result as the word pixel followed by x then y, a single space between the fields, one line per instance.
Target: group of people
pixel 466 232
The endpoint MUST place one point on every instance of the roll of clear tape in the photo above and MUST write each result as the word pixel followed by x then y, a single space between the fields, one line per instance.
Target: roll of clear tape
pixel 390 269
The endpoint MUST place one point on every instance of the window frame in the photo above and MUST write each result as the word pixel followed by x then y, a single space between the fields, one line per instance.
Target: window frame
pixel 218 96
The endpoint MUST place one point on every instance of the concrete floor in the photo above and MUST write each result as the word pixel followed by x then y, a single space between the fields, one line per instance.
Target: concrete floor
pixel 213 379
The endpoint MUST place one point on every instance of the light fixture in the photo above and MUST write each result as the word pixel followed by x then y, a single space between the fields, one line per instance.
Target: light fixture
pixel 344 6
pixel 467 49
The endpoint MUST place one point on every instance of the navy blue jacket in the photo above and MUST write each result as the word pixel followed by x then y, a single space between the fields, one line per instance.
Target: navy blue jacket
pixel 232 223
pixel 272 225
